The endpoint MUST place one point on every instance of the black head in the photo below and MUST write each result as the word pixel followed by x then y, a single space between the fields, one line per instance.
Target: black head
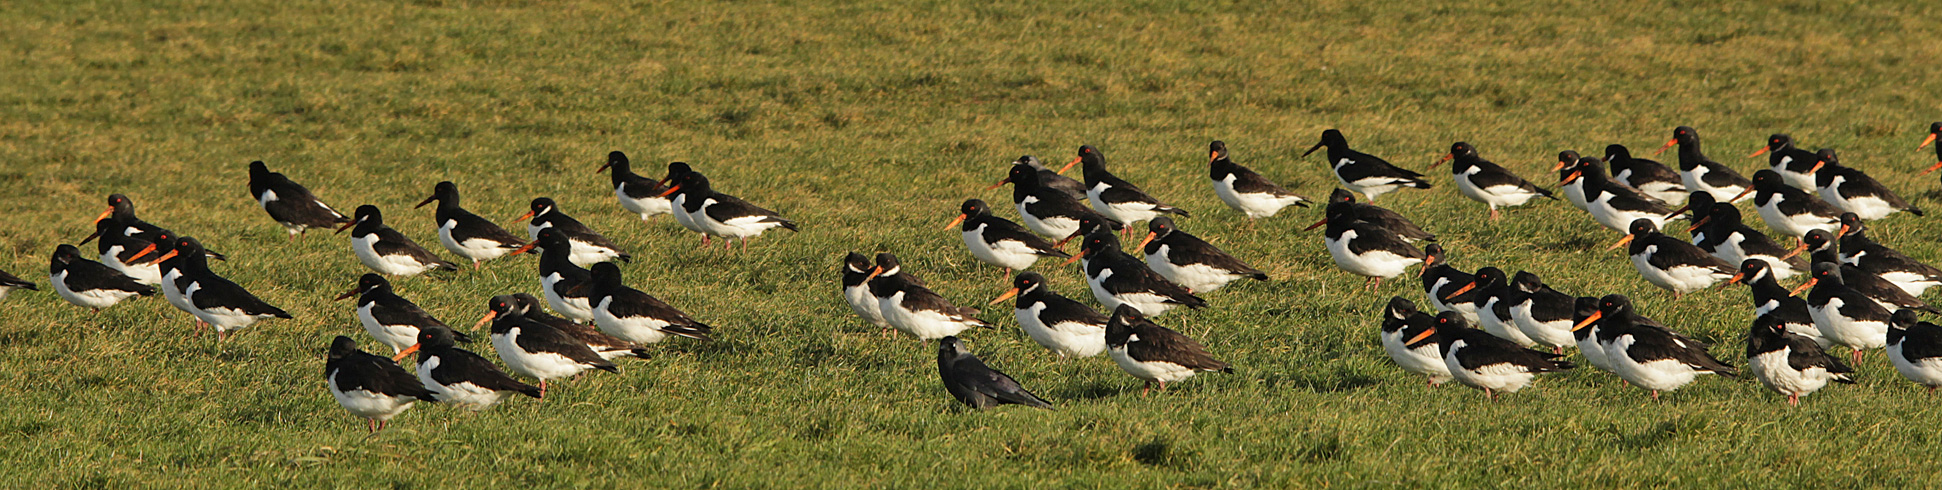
pixel 1091 223
pixel 1029 161
pixel 524 302
pixel 1817 239
pixel 257 169
pixel 856 263
pixel 446 193
pixel 1098 241
pixel 550 238
pixel 1702 201
pixel 974 208
pixel 1935 128
pixel 1775 142
pixel 504 305
pixel 1433 255
pixel 1450 321
pixel 371 282
pixel 1615 153
pixel 434 336
pixel 120 202
pixel 1613 304
pixel 1489 277
pixel 1399 308
pixel 1567 158
pixel 368 214
pixel 1332 139
pixel 1827 157
pixel 1903 319
pixel 1341 195
pixel 66 254
pixel 1027 281
pixel 1216 150
pixel 1119 328
pixel 342 347
pixel 1023 176
pixel 618 161
pixel 1851 224
pixel 1160 227
pixel 1685 135
pixel 188 247
pixel 1721 212
pixel 1754 270
pixel 1527 282
pixel 675 171
pixel 1642 227
pixel 1583 307
pixel 1462 149
pixel 606 275
pixel 888 264
pixel 1767 179
pixel 951 348
pixel 692 182
pixel 1828 272
pixel 1090 158
pixel 1769 325
pixel 542 205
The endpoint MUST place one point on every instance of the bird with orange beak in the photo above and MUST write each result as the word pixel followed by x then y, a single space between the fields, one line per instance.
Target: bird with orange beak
pixel 1671 263
pixel 998 241
pixel 1935 129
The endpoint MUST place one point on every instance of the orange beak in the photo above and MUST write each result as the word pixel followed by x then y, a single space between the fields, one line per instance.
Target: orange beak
pixel 1762 151
pixel 1075 258
pixel 522 249
pixel 1429 261
pixel 666 193
pixel 1796 251
pixel 346 226
pixel 347 294
pixel 1668 146
pixel 1932 168
pixel 1573 177
pixel 1696 225
pixel 874 272
pixel 1068 165
pixel 603 167
pixel 1001 183
pixel 1215 155
pixel 482 321
pixel 529 214
pixel 954 223
pixel 104 215
pixel 1926 141
pixel 1621 242
pixel 165 256
pixel 1742 193
pixel 1588 321
pixel 1803 286
pixel 1681 209
pixel 1149 238
pixel 1439 161
pixel 408 350
pixel 1008 295
pixel 1734 280
pixel 1459 292
pixel 143 253
pixel 1318 224
pixel 1558 166
pixel 1817 166
pixel 1061 244
pixel 1419 337
pixel 1843 231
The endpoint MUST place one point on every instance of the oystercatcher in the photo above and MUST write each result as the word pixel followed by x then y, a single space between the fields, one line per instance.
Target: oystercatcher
pixel 1915 348
pixel 972 382
pixel 1849 189
pixel 565 285
pixel 1401 321
pixel 534 349
pixel 1573 189
pixel 637 194
pixel 1794 165
pixel 588 247
pixel 1845 316
pixel 1770 299
pixel 1789 210
pixel 1065 327
pixel 392 319
pixel 90 284
pixel 1342 206
pixel 1584 331
pixel 1789 363
pixel 1698 206
pixel 1440 282
pixel 1935 129
pixel 1700 173
pixel 1253 195
pixel 1488 362
pixel 1367 249
pixel 1048 211
pixel 856 289
pixel 1648 355
pixel 1116 198
pixel 171 263
pixel 1721 233
pixel 289 203
pixel 121 209
pixel 1189 261
pixel 1486 182
pixel 1613 205
pixel 1907 273
pixel 1362 172
pixel 1046 177
pixel 9 283
pixel 677 200
pixel 998 241
pixel 387 251
pixel 1116 278
pixel 1494 297
pixel 467 234
pixel 126 254
pixel 1890 295
pixel 217 301
pixel 724 215
pixel 1153 353
pixel 1541 313
pixel 1653 178
pixel 459 377
pixel 1671 263
pixel 635 316
pixel 369 386
pixel 607 346
pixel 914 309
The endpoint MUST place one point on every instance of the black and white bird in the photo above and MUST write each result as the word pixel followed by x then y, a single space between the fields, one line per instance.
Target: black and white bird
pixel 1114 197
pixel 1065 327
pixel 121 210
pixel 1244 190
pixel 607 346
pixel 289 203
pixel 1648 355
pixel 1721 232
pixel 1487 182
pixel 215 300
pixel 1935 130
pixel 1441 280
pixel 1153 353
pixel 678 200
pixel 89 284
pixel 1858 250
pixel 1653 178
pixel 1794 165
pixel 635 316
pixel 131 256
pixel 1671 263
pixel 1487 362
pixel 1362 172
pixel 1789 363
pixel 914 309
pixel 1342 206
pixel 856 289
pixel 1889 295
pixel 971 381
pixel 1584 331
pixel 723 215
pixel 1367 248
pixel 1700 173
pixel 1788 210
pixel 1611 204
pixel 1915 348
pixel 173 268
pixel 1403 328
pixel 1117 278
pixel 1189 261
pixel 387 251
pixel 1541 313
pixel 1046 177
pixel 1573 189
pixel 998 241
pixel 1772 300
pixel 459 377
pixel 8 283
pixel 637 194
pixel 534 349
pixel 467 234
pixel 1045 210
pixel 1845 316
pixel 1851 190
pixel 388 317
pixel 588 246
pixel 371 387
pixel 566 286
pixel 1494 297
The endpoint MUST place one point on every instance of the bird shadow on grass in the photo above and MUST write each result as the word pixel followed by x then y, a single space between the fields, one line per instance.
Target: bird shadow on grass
pixel 1091 390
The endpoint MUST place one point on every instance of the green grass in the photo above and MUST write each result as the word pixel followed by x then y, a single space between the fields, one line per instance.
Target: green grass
pixel 868 122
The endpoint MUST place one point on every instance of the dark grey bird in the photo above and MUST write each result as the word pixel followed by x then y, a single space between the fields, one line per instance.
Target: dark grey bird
pixel 972 382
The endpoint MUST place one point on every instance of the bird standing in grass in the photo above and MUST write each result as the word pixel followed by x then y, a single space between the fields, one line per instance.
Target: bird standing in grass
pixel 131 256
pixel 534 349
pixel 1342 206
pixel 1253 195
pixel 370 386
pixel 89 284
pixel 856 289
pixel 289 203
pixel 388 317
pixel 635 316
pixel 1851 190
pixel 1484 361
pixel 387 251
pixel 1046 177
pixel 564 284
pixel 607 346
pixel 588 247
pixel 1402 322
pixel 467 234
pixel 1915 348
pixel 216 300
pixel 1653 178
pixel 1844 315
pixel 1367 248
pixel 1541 313
pixel 459 377
pixel 998 241
pixel 1789 363
pixel 1048 211
pixel 1116 278
pixel 1155 354
pixel 1793 165
pixel 1065 327
pixel 1789 210
pixel 1671 263
pixel 637 194
pixel 1115 197
pixel 1189 261
pixel 1857 249
pixel 723 215
pixel 1612 204
pixel 1486 182
pixel 1441 281
pixel 1362 172
pixel 1700 173
pixel 1648 355
pixel 977 385
pixel 1722 233
pixel 914 309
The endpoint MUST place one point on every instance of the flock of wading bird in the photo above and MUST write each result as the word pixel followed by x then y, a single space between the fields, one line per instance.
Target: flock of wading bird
pixel 1861 294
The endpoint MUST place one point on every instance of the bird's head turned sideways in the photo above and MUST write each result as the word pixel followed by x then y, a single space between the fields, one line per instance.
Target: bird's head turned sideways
pixel 1400 308
pixel 951 348
pixel 342 347
pixel 856 263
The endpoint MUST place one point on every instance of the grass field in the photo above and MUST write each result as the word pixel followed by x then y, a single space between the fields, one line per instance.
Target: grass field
pixel 868 122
